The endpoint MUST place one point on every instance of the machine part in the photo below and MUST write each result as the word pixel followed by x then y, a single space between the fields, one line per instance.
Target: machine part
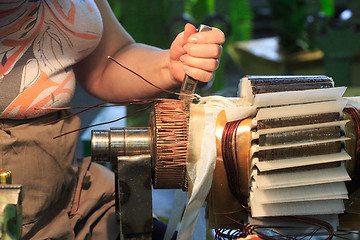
pixel 295 121
pixel 299 136
pixel 266 84
pixel 128 150
pixel 169 124
pixel 189 84
pixel 5 176
pixel 325 139
pixel 166 139
pixel 10 211
pixel 290 137
pixel 139 155
pixel 107 145
pixel 304 135
pixel 300 151
pixel 134 184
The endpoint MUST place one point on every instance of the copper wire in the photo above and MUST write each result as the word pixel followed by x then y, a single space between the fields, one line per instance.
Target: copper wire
pixel 247 229
pixel 229 157
pixel 74 114
pixel 355 115
pixel 170 124
pixel 101 105
pixel 103 123
pixel 132 71
pixel 228 234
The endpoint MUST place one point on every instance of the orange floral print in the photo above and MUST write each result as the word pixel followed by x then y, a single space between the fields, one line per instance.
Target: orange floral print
pixel 40 41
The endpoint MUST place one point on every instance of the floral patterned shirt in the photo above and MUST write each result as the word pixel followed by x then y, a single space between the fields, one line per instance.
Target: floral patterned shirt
pixel 40 41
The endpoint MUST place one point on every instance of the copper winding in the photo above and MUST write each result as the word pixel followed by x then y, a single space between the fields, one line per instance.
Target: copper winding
pixel 170 136
pixel 355 116
pixel 222 203
pixel 352 147
pixel 236 144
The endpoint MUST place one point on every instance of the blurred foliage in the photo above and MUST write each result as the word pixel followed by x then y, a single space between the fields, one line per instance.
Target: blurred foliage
pixel 241 18
pixel 144 20
pixel 290 21
pixel 289 18
pixel 199 9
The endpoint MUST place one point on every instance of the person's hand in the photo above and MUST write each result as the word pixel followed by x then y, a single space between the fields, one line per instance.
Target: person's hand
pixel 196 54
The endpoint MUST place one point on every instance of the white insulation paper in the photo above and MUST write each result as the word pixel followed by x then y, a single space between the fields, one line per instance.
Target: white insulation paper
pixel 202 149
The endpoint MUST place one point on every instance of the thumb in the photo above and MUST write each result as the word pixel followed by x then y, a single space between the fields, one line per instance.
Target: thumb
pixel 189 29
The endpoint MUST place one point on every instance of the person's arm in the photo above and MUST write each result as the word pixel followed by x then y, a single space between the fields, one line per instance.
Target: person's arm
pixel 105 79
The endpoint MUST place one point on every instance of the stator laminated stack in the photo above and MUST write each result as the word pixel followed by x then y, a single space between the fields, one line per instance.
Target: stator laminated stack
pixel 297 147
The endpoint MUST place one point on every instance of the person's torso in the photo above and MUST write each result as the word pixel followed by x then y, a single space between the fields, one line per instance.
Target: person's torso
pixel 40 41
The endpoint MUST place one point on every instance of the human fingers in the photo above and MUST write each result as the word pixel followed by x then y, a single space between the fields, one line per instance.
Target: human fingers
pixel 203 50
pixel 189 29
pixel 215 36
pixel 207 64
pixel 177 46
pixel 198 74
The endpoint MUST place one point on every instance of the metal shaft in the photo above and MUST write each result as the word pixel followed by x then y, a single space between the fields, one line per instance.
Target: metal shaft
pixel 107 145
